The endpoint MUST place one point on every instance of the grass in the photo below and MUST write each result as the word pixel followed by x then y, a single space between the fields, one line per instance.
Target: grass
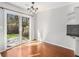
pixel 11 35
pixel 15 35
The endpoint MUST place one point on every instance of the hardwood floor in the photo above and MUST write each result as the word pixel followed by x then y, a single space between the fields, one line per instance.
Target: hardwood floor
pixel 38 49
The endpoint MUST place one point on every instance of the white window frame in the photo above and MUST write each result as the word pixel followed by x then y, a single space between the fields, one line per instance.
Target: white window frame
pixel 20 22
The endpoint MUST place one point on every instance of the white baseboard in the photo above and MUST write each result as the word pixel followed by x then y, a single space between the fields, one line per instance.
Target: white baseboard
pixel 59 45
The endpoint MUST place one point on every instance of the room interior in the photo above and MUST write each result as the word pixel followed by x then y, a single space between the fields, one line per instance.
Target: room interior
pixel 39 29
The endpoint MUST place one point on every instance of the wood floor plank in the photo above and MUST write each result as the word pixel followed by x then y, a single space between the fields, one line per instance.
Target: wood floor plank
pixel 39 49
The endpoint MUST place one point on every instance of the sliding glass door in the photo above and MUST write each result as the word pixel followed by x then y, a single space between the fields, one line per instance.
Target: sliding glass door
pixel 12 30
pixel 17 28
pixel 25 28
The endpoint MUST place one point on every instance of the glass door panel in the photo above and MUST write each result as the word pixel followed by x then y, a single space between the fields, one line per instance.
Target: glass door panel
pixel 25 28
pixel 12 30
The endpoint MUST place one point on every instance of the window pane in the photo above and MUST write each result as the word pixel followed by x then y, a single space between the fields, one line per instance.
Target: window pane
pixel 25 28
pixel 12 29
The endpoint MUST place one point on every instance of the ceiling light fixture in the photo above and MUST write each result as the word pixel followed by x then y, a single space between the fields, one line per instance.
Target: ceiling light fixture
pixel 32 9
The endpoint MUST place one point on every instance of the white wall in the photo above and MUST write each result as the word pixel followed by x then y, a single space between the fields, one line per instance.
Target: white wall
pixel 77 39
pixel 52 26
pixel 34 27
pixel 2 41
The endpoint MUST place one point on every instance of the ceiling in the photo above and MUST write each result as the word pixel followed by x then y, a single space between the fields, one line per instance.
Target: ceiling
pixel 41 5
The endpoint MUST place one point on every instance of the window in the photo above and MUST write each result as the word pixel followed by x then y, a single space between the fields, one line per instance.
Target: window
pixel 14 24
pixel 12 29
pixel 25 28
